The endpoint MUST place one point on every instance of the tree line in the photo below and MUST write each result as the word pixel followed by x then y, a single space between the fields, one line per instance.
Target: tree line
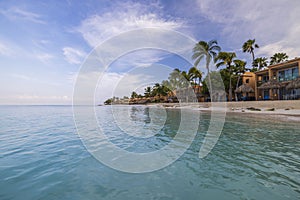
pixel 211 52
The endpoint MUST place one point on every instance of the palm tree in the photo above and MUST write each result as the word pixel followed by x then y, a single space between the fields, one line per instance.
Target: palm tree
pixel 240 69
pixel 259 63
pixel 174 79
pixel 209 51
pixel 134 95
pixel 195 74
pixel 198 74
pixel 227 58
pixel 185 79
pixel 249 47
pixel 159 90
pixel 148 92
pixel 278 58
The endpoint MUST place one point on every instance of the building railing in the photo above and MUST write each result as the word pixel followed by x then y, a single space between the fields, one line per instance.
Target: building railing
pixel 289 78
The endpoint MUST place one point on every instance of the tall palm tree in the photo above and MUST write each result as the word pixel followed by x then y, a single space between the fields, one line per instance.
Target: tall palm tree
pixel 259 63
pixel 240 69
pixel 209 51
pixel 226 59
pixel 278 58
pixel 249 47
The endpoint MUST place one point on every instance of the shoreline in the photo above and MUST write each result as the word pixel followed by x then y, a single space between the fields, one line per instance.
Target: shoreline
pixel 280 110
pixel 284 110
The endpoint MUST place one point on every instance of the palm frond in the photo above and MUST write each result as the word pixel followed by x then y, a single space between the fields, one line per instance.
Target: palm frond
pixel 196 55
pixel 212 42
pixel 196 63
pixel 220 64
pixel 215 48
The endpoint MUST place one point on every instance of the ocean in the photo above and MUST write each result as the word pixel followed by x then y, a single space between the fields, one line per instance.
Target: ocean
pixel 43 157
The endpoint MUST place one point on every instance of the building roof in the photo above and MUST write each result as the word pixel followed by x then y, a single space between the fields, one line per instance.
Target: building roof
pixel 262 71
pixel 284 64
pixel 248 74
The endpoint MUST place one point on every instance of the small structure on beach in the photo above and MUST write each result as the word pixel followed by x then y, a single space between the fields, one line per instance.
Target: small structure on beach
pixel 245 91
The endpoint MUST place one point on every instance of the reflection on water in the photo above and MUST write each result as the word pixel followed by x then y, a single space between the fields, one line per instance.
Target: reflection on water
pixel 140 114
pixel 43 158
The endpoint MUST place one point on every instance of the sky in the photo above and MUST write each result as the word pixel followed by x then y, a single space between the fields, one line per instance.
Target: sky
pixel 45 44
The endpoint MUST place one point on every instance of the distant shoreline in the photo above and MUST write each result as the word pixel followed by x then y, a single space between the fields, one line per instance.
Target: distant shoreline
pixel 288 110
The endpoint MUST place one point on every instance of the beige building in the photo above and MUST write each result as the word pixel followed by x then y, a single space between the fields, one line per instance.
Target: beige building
pixel 246 90
pixel 277 82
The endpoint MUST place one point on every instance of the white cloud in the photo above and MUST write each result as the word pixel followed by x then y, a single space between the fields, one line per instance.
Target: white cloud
pixel 42 44
pixel 99 86
pixel 140 58
pixel 115 84
pixel 21 76
pixel 13 50
pixel 270 49
pixel 44 57
pixel 33 99
pixel 273 24
pixel 88 91
pixel 19 14
pixel 37 97
pixel 73 56
pixel 4 50
pixel 124 17
pixel 128 16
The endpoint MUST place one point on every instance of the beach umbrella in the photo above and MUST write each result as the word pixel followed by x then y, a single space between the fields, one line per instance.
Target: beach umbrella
pixel 297 83
pixel 244 89
pixel 294 84
pixel 291 85
pixel 264 86
pixel 271 85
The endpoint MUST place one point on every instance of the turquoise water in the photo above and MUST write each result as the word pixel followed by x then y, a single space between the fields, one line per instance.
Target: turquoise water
pixel 42 157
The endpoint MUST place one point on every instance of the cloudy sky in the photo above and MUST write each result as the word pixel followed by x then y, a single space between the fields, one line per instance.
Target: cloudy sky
pixel 43 45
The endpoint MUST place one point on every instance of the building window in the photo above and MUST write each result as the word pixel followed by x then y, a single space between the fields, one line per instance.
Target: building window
pixel 281 76
pixel 247 80
pixel 295 73
pixel 259 78
pixel 288 74
pixel 265 78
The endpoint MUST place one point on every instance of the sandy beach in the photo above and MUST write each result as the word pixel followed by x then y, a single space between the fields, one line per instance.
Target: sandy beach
pixel 281 110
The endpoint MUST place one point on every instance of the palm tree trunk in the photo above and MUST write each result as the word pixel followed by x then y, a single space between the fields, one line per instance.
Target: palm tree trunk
pixel 230 89
pixel 237 86
pixel 209 81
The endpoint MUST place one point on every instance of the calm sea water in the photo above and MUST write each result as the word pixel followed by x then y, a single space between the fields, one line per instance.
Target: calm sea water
pixel 42 157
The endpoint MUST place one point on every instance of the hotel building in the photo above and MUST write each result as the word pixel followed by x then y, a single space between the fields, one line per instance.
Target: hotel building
pixel 276 82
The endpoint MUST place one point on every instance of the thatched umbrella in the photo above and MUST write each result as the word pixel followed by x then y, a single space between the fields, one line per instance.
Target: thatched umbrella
pixel 270 85
pixel 244 89
pixel 294 84
pixel 297 83
pixel 291 85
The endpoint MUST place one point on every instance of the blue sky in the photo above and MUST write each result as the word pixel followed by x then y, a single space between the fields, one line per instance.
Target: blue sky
pixel 44 43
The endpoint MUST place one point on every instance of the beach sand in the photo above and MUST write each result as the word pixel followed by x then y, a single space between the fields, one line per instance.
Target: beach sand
pixel 279 110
